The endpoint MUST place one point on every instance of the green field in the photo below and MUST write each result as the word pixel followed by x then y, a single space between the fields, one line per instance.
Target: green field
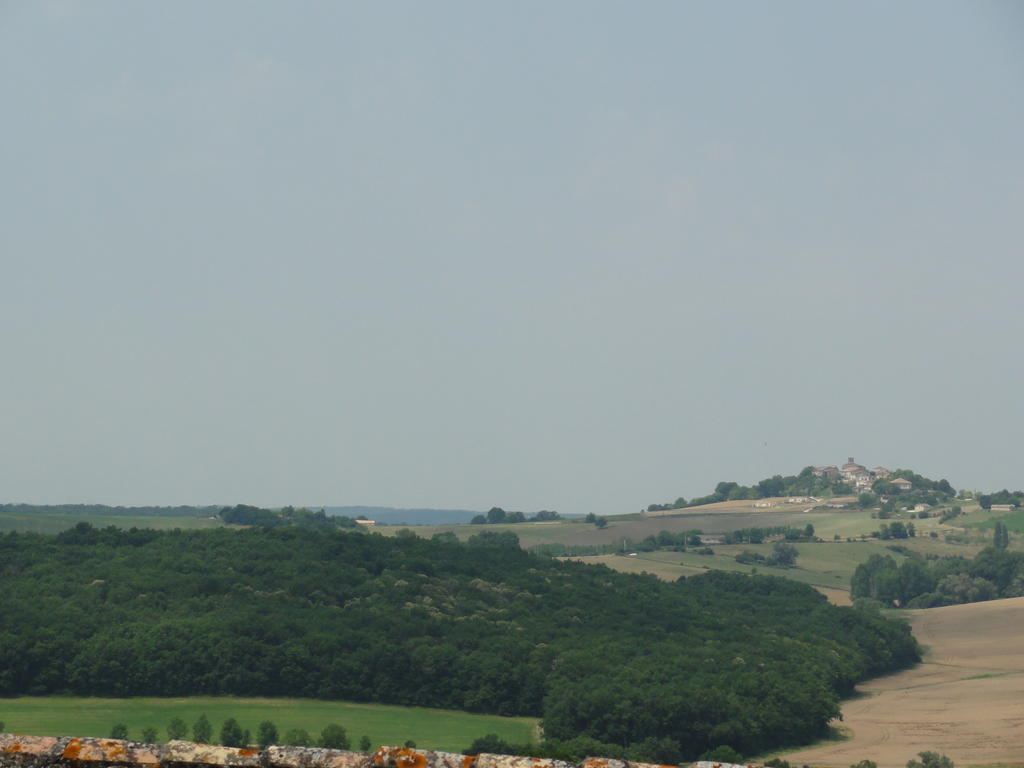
pixel 1014 521
pixel 429 728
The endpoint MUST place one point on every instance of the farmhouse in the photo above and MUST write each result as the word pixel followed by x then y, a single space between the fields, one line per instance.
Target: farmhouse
pixel 1003 507
pixel 902 484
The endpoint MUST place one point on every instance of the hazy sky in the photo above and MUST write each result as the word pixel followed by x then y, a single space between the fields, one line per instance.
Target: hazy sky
pixel 580 256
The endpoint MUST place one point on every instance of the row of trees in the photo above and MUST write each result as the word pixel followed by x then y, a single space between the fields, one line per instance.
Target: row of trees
pixel 498 516
pixel 804 484
pixel 243 514
pixel 232 734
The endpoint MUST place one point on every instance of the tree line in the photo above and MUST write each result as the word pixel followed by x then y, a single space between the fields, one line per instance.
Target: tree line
pixel 927 582
pixel 243 514
pixel 628 662
pixel 803 484
pixel 333 736
pixel 498 516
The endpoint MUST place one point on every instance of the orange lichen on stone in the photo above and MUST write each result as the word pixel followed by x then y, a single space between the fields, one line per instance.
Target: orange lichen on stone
pixel 29 747
pixel 314 757
pixel 509 761
pixel 105 751
pixel 603 762
pixel 187 753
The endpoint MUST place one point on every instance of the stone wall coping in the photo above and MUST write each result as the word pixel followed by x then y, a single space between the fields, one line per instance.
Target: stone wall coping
pixel 21 751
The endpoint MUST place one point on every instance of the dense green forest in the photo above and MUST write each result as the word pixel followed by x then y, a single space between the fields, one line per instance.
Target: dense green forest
pixel 653 669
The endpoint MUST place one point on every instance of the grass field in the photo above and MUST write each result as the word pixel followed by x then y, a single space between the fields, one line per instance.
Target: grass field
pixel 429 728
pixel 1014 521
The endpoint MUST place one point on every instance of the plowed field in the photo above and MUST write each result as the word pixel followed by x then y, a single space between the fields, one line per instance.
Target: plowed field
pixel 966 700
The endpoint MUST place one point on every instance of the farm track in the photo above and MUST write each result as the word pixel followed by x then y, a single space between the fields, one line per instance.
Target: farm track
pixel 963 700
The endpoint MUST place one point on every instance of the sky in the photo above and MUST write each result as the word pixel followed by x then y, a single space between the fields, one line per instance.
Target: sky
pixel 581 256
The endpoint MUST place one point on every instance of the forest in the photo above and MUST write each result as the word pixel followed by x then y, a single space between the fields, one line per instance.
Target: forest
pixel 654 670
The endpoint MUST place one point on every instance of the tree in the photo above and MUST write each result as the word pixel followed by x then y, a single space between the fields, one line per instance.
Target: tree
pixel 601 522
pixel 364 743
pixel 266 734
pixel 297 737
pixel 119 731
pixel 478 520
pixel 898 530
pixel 231 733
pixel 930 760
pixel 809 531
pixel 1001 536
pixel 334 736
pixel 202 731
pixel 722 754
pixel 783 554
pixel 149 735
pixel 495 515
pixel 176 729
pixel 865 764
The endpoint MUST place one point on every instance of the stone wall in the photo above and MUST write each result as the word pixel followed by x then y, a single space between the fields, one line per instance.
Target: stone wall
pixel 64 752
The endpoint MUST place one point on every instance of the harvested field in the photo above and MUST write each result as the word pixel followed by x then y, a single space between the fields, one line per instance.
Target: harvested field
pixel 965 700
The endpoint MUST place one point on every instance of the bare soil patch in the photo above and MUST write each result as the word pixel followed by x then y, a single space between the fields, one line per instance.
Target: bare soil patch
pixel 965 700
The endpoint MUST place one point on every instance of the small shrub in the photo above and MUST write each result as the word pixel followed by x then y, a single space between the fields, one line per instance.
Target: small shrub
pixel 149 735
pixel 119 731
pixel 722 754
pixel 297 737
pixel 266 734
pixel 231 733
pixel 334 736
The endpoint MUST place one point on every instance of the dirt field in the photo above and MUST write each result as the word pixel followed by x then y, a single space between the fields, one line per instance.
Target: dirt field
pixel 966 700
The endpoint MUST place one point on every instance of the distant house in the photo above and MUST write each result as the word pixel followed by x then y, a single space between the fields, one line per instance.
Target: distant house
pixel 862 480
pixel 902 484
pixel 800 499
pixel 711 539
pixel 830 472
pixel 1003 507
pixel 836 505
pixel 880 472
pixel 367 523
pixel 763 504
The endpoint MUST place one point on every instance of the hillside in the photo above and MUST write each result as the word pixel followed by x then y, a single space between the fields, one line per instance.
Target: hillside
pixel 483 626
pixel 963 700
